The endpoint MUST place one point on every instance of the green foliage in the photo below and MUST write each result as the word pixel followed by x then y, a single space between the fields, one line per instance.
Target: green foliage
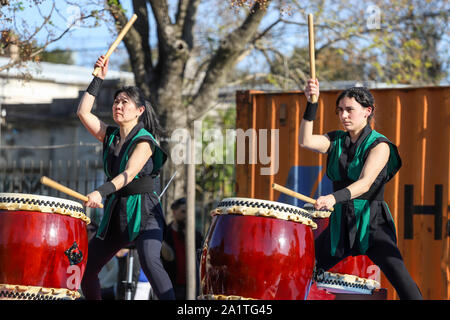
pixel 57 56
pixel 332 64
pixel 409 40
pixel 393 41
pixel 217 179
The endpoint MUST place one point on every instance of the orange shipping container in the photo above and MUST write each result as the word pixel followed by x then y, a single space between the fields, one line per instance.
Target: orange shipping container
pixel 417 120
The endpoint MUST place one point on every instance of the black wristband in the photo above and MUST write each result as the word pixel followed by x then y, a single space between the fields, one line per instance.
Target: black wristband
pixel 106 189
pixel 342 195
pixel 94 86
pixel 310 111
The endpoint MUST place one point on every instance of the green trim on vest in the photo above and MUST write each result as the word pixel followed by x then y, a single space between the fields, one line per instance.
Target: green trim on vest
pixel 335 227
pixel 105 153
pixel 134 215
pixel 362 212
pixel 106 215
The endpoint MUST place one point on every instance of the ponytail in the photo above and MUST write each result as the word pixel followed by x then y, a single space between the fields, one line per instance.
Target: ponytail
pixel 150 120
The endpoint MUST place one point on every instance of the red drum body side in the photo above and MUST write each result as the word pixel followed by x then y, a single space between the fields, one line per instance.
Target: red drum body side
pixel 360 266
pixel 42 249
pixel 257 257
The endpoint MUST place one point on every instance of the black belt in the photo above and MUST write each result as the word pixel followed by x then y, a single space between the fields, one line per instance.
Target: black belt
pixel 138 186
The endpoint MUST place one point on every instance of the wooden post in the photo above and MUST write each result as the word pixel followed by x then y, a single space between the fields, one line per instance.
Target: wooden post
pixel 190 222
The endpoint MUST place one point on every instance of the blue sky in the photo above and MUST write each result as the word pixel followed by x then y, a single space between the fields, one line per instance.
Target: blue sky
pixel 87 43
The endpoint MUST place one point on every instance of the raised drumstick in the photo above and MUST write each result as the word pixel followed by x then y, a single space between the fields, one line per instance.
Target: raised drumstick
pixel 294 194
pixel 117 41
pixel 55 185
pixel 312 57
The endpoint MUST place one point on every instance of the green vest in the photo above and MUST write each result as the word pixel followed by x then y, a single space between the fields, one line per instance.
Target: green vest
pixel 133 202
pixel 361 207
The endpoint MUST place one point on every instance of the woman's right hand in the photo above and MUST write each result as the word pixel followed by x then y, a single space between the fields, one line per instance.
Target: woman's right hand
pixel 94 199
pixel 102 63
pixel 312 88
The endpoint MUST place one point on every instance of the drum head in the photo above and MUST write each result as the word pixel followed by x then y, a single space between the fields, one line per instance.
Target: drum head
pixel 264 208
pixel 38 203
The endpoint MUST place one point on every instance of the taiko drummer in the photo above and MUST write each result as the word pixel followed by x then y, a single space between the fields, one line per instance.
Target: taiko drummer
pixel 360 162
pixel 132 161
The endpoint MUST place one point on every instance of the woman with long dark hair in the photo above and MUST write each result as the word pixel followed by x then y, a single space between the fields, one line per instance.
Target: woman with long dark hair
pixel 360 162
pixel 132 159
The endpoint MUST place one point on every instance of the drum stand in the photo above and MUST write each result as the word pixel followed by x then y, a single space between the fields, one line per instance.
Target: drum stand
pixel 129 283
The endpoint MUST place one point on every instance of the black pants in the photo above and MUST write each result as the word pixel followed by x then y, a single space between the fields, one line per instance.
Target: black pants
pixel 148 245
pixel 383 251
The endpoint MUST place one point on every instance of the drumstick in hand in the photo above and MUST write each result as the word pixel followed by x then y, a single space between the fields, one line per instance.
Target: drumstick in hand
pixel 55 185
pixel 117 41
pixel 294 194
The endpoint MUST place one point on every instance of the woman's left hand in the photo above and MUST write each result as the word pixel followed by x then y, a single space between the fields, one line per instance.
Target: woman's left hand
pixel 325 202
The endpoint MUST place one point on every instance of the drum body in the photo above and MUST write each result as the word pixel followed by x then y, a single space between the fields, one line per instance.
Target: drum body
pixel 43 247
pixel 251 254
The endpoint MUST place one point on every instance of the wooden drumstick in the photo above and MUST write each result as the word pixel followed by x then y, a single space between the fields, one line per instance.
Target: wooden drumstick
pixel 117 41
pixel 312 58
pixel 294 194
pixel 55 185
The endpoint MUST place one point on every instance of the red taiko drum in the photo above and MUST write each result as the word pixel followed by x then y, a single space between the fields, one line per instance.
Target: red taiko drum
pixel 43 247
pixel 257 249
pixel 354 274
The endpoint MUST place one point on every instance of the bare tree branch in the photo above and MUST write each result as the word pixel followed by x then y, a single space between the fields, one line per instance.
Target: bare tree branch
pixel 37 51
pixel 264 32
pixel 189 22
pixel 43 24
pixel 142 27
pixel 181 13
pixel 166 30
pixel 224 59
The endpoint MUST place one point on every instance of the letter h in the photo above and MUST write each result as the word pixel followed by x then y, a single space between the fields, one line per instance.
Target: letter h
pixel 411 209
